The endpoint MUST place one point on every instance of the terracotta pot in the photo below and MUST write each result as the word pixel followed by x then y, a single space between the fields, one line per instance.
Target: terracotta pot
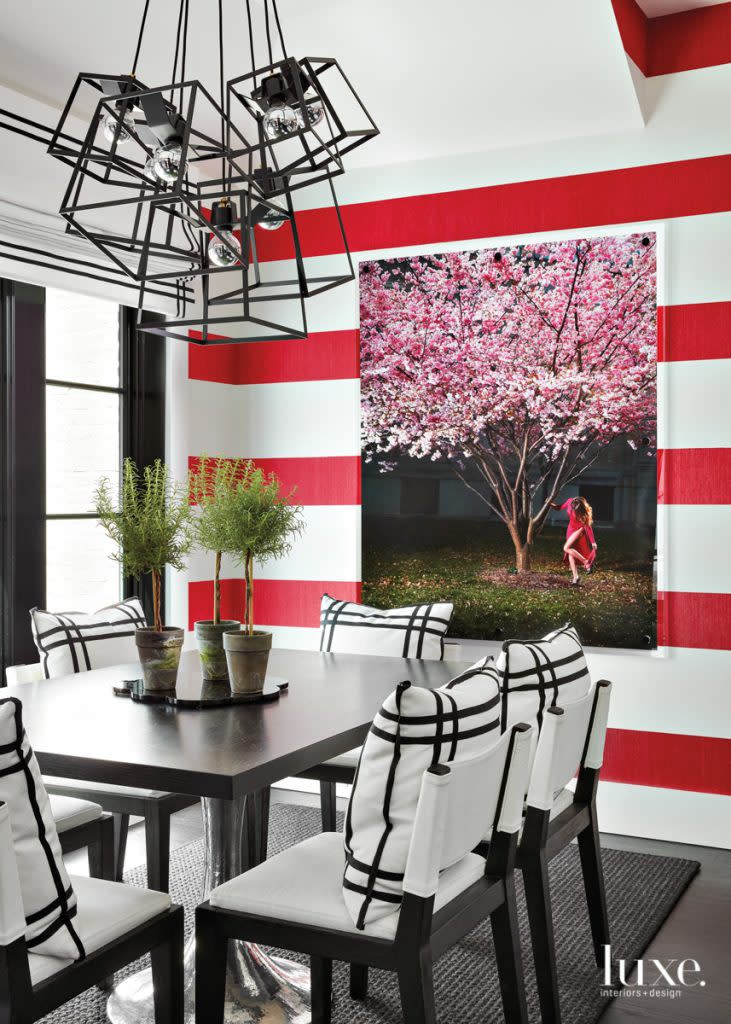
pixel 247 658
pixel 209 638
pixel 159 652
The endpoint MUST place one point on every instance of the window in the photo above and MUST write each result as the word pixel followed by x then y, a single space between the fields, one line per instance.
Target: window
pixel 80 390
pixel 83 443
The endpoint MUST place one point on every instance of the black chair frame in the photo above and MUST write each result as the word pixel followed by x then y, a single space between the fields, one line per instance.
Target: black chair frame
pixel 422 936
pixel 98 837
pixel 161 936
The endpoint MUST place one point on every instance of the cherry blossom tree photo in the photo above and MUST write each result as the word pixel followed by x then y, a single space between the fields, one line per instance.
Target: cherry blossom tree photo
pixel 517 367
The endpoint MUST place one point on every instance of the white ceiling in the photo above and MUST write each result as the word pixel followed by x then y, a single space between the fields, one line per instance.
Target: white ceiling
pixel 439 78
pixel 657 8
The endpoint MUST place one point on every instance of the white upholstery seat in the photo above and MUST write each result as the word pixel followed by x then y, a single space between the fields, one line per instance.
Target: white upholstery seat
pixel 304 885
pixel 100 787
pixel 106 911
pixel 347 760
pixel 69 812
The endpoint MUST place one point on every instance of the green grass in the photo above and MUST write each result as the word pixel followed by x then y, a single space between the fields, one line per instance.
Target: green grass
pixel 615 605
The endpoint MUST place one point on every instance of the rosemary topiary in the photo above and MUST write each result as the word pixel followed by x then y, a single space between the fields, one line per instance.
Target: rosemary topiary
pixel 152 524
pixel 245 514
pixel 212 487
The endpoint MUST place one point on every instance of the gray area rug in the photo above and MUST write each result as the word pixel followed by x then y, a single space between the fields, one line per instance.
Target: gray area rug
pixel 641 892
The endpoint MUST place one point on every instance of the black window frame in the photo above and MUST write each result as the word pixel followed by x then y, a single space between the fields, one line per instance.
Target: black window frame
pixel 23 450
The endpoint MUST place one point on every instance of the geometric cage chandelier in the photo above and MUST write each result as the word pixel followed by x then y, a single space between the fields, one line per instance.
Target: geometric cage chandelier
pixel 185 187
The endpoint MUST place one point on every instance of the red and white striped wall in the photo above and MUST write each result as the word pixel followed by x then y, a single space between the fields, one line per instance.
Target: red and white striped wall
pixel 294 407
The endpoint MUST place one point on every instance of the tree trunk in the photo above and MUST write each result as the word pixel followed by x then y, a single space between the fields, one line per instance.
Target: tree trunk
pixel 156 599
pixel 217 590
pixel 522 557
pixel 249 596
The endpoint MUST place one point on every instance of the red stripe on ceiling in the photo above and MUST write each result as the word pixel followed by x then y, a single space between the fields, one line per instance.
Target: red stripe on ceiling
pixel 700 330
pixel 682 188
pixel 700 38
pixel 694 476
pixel 324 355
pixel 694 620
pixel 326 480
pixel 632 24
pixel 701 764
pixel 276 602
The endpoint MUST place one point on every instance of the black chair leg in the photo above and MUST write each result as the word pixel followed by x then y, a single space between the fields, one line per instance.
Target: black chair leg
pixel 264 823
pixel 328 806
pixel 157 845
pixel 321 975
pixel 101 853
pixel 168 977
pixel 358 981
pixel 416 986
pixel 210 969
pixel 121 827
pixel 538 901
pixel 591 868
pixel 505 932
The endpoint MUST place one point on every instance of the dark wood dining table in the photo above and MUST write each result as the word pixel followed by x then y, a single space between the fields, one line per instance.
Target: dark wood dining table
pixel 79 729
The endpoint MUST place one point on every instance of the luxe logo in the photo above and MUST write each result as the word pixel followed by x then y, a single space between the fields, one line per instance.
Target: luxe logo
pixel 652 973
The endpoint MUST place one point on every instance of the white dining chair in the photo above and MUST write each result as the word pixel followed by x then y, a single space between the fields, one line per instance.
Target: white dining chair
pixel 116 923
pixel 571 745
pixel 73 798
pixel 294 900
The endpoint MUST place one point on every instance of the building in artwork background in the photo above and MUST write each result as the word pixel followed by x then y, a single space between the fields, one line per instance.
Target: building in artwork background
pixel 496 385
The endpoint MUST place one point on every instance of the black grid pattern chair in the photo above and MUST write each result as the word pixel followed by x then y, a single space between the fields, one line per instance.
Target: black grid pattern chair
pixel 153 806
pixel 294 901
pixel 571 740
pixel 116 923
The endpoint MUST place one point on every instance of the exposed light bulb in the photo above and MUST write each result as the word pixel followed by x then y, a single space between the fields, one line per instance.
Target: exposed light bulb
pixel 273 219
pixel 166 162
pixel 220 254
pixel 313 115
pixel 280 121
pixel 116 128
pixel 150 171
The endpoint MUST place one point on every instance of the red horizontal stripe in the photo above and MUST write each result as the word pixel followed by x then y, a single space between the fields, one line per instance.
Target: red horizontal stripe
pixel 684 619
pixel 701 764
pixel 276 602
pixel 694 620
pixel 632 23
pixel 323 355
pixel 699 330
pixel 320 480
pixel 694 476
pixel 700 38
pixel 679 189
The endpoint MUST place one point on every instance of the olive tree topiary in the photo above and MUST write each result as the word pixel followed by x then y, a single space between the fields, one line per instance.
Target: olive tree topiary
pixel 152 524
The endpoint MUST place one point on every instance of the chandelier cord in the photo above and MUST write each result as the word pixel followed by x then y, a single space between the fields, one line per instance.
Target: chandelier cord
pixel 251 41
pixel 177 50
pixel 223 94
pixel 184 56
pixel 279 28
pixel 139 38
pixel 269 34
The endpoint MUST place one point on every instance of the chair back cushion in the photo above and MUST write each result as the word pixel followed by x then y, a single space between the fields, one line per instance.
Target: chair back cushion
pixel 537 674
pixel 71 642
pixel 414 729
pixel 49 902
pixel 414 632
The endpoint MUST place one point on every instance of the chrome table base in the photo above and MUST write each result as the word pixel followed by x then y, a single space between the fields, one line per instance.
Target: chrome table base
pixel 259 989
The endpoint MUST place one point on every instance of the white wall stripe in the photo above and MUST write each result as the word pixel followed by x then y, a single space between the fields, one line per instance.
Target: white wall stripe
pixel 668 814
pixel 696 395
pixel 698 555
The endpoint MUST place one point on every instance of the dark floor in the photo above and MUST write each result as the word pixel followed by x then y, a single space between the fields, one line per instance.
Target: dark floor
pixel 699 927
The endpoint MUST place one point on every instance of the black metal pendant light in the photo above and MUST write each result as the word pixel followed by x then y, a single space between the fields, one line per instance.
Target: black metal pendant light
pixel 178 188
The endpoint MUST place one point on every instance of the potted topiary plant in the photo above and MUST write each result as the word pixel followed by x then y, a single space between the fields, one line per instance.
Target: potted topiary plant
pixel 262 523
pixel 152 528
pixel 212 486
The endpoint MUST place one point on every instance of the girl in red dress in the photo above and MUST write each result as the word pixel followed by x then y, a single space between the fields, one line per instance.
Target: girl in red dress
pixel 580 546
